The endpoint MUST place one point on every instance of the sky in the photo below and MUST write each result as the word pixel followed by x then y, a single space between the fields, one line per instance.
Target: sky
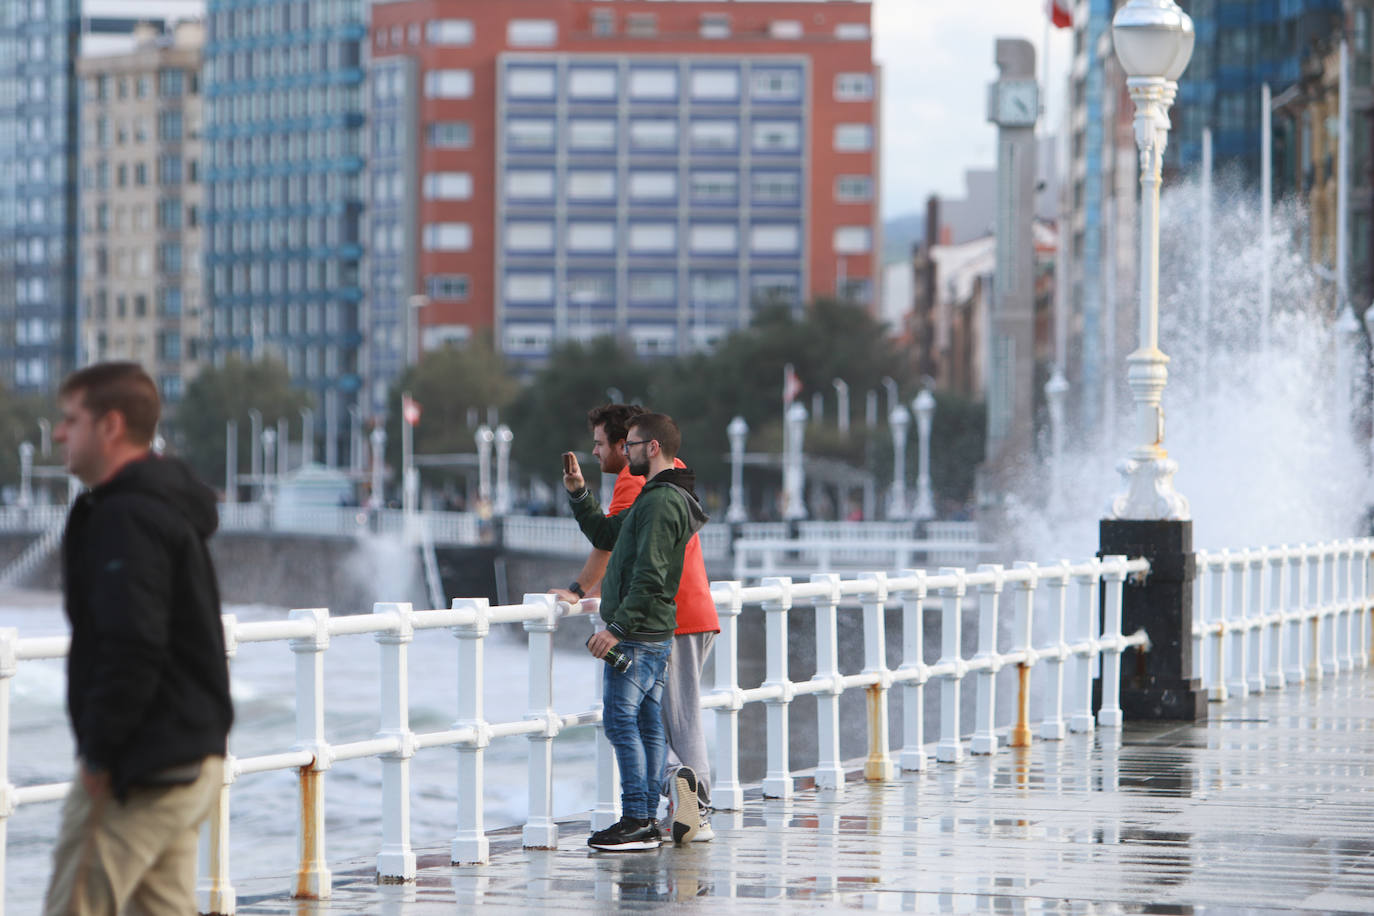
pixel 937 61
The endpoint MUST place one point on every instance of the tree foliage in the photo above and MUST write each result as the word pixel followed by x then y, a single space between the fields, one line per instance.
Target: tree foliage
pixel 227 393
pixel 19 415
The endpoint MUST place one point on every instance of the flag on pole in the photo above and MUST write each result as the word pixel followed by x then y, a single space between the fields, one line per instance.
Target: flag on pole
pixel 791 385
pixel 410 409
pixel 1060 13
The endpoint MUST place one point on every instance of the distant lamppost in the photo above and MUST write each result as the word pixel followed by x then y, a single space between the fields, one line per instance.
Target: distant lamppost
pixel 45 438
pixel 375 501
pixel 255 446
pixel 924 406
pixel 307 436
pixel 269 444
pixel 503 495
pixel 25 474
pixel 900 421
pixel 1154 41
pixel 484 438
pixel 793 468
pixel 231 461
pixel 737 431
pixel 284 453
pixel 842 405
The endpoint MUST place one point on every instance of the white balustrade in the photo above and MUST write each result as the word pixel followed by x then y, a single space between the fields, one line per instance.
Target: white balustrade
pixel 1296 601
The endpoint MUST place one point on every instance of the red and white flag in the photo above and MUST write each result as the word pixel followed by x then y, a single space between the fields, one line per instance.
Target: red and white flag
pixel 791 385
pixel 410 409
pixel 1060 13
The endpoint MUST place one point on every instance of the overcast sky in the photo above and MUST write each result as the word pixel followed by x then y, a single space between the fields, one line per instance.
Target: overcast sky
pixel 937 60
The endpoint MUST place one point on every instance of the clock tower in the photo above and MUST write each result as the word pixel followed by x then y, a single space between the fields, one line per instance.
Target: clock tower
pixel 1014 106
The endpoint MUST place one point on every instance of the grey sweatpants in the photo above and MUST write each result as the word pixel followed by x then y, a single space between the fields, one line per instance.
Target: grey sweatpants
pixel 682 709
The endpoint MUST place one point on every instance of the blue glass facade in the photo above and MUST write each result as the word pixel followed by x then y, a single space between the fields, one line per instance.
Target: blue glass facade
pixel 283 141
pixel 654 199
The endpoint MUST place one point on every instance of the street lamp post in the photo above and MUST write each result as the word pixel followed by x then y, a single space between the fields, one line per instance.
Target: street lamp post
pixel 283 454
pixel 503 495
pixel 254 447
pixel 45 437
pixel 842 405
pixel 1154 40
pixel 378 460
pixel 355 439
pixel 269 444
pixel 924 406
pixel 1150 519
pixel 484 437
pixel 793 469
pixel 25 474
pixel 900 421
pixel 231 461
pixel 307 436
pixel 737 431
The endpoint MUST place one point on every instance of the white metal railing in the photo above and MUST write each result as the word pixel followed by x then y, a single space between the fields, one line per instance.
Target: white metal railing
pixel 1066 660
pixel 759 557
pixel 1267 617
pixel 32 518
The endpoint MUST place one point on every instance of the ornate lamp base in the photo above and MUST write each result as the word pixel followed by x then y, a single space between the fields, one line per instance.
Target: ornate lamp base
pixel 1150 493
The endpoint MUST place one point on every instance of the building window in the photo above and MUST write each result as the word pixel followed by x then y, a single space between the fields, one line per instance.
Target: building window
pixel 529 287
pixel 715 187
pixel 450 134
pixel 646 185
pixel 653 287
pixel 777 136
pixel 169 213
pixel 525 235
pixel 169 257
pixel 853 239
pixel 648 238
pixel 786 29
pixel 169 301
pixel 447 237
pixel 584 289
pixel 529 184
pixel 715 289
pixel 853 188
pixel 641 25
pixel 592 83
pixel 169 127
pixel 588 134
pixel 529 133
pixel 852 31
pixel 448 84
pixel 587 237
pixel 449 32
pixel 585 184
pixel 447 287
pixel 853 138
pixel 775 84
pixel 653 84
pixel 715 84
pixel 653 134
pixel 531 33
pixel 603 23
pixel 530 82
pixel 171 83
pixel 169 169
pixel 448 186
pixel 775 238
pixel 854 87
pixel 528 339
pixel 713 238
pixel 776 188
pixel 715 136
pixel 715 25
pixel 774 289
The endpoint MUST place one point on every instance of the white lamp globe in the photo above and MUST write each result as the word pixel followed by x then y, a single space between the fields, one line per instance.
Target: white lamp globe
pixel 1153 38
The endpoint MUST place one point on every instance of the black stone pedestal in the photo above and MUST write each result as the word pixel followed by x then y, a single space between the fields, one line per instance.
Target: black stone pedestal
pixel 1158 684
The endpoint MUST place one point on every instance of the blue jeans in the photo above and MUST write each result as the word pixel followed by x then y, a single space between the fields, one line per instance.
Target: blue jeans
pixel 633 718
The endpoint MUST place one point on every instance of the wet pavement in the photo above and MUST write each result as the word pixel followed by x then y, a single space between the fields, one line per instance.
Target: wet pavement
pixel 1267 807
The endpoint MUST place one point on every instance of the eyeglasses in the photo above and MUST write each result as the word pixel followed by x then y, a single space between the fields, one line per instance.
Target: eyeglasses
pixel 630 442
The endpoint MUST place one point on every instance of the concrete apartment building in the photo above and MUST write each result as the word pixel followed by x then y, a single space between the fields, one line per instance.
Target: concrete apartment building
pixel 562 169
pixel 141 204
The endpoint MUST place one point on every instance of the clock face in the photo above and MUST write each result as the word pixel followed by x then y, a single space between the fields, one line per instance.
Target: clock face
pixel 1017 103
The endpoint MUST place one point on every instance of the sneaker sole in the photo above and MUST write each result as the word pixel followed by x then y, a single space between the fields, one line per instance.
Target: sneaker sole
pixel 636 846
pixel 686 813
pixel 704 834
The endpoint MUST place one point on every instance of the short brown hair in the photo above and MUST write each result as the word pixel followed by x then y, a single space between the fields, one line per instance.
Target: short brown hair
pixel 662 427
pixel 615 417
pixel 124 387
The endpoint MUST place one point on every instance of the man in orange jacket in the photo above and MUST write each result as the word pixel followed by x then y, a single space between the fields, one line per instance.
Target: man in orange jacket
pixel 688 777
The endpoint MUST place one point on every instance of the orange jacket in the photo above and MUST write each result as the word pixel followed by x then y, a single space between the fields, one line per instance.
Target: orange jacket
pixel 696 612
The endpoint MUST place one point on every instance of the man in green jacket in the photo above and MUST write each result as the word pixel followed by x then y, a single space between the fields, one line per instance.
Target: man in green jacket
pixel 647 542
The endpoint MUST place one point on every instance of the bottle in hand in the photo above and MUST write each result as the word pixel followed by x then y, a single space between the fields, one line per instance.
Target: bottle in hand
pixel 616 658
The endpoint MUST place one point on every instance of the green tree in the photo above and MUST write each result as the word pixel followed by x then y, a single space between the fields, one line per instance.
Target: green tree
pixel 19 415
pixel 227 393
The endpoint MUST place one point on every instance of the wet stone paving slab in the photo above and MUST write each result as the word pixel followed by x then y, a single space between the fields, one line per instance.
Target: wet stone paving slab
pixel 1267 807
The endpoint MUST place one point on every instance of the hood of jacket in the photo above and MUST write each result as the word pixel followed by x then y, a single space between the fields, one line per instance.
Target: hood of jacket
pixel 171 481
pixel 684 481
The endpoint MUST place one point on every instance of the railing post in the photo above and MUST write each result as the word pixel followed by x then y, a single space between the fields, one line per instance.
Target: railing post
pixel 1022 640
pixel 950 749
pixel 1221 601
pixel 1257 607
pixel 215 895
pixel 1202 665
pixel 878 765
pixel 1113 580
pixel 1237 564
pixel 1297 615
pixel 1276 589
pixel 1362 601
pixel 989 593
pixel 913 756
pixel 777 783
pixel 396 860
pixel 312 874
pixel 829 767
pixel 469 846
pixel 1052 726
pixel 1323 652
pixel 9 666
pixel 541 831
pixel 1081 678
pixel 1345 556
pixel 726 792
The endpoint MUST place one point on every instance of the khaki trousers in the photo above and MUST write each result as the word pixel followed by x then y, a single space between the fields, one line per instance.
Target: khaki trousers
pixel 132 858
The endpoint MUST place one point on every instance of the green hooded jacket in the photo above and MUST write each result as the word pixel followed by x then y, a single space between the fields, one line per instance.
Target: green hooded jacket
pixel 646 543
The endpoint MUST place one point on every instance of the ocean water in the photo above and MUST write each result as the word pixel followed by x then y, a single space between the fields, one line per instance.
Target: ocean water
pixel 263 805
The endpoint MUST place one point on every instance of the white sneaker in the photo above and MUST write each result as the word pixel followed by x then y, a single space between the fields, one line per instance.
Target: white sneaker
pixel 682 797
pixel 704 832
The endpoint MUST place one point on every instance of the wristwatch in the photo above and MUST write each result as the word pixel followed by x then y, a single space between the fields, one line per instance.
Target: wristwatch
pixel 576 589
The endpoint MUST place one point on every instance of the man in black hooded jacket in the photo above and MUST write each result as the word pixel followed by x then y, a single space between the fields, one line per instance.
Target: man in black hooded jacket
pixel 147 679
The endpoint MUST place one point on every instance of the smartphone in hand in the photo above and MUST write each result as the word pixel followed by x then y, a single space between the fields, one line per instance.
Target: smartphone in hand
pixel 569 463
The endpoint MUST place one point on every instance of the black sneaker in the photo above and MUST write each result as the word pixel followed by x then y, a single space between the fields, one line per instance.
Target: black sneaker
pixel 682 796
pixel 627 834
